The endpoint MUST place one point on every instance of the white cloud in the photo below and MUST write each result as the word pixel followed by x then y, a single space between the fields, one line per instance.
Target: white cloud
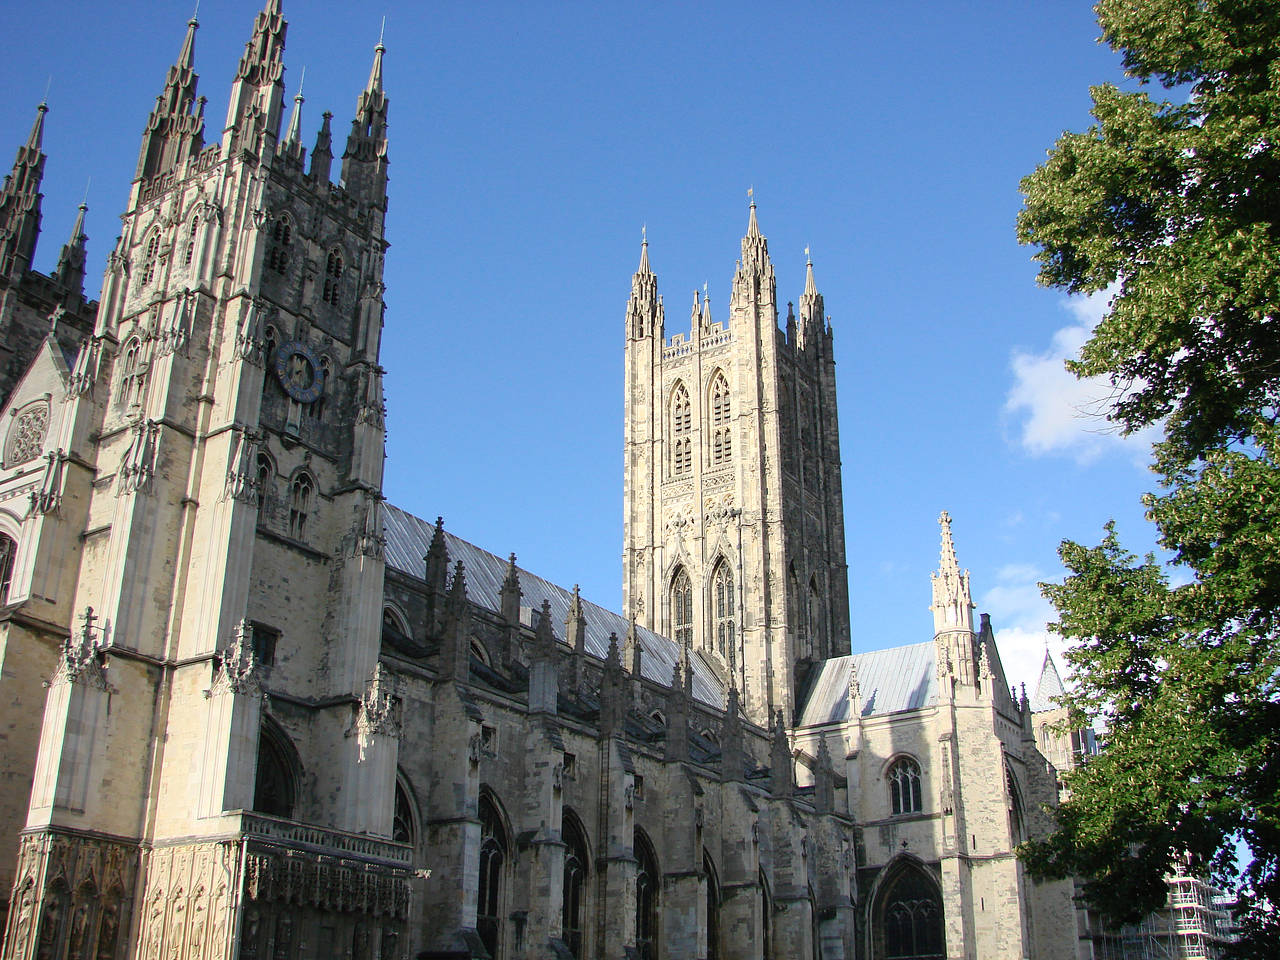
pixel 1058 413
pixel 1018 615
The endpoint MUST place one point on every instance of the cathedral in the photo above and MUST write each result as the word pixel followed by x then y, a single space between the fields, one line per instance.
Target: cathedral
pixel 249 709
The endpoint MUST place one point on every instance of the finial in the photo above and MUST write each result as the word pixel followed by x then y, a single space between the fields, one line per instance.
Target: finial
pixel 302 79
pixel 195 13
pixel 808 258
pixel 751 196
pixel 84 203
pixel 47 84
pixel 382 33
pixel 644 234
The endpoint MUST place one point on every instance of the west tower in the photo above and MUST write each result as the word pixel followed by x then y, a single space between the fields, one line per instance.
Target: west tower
pixel 733 525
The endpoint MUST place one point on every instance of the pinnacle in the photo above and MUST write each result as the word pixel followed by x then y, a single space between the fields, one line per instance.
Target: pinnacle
pixel 187 55
pixel 810 287
pixel 947 565
pixel 643 269
pixel 375 72
pixel 36 137
pixel 753 227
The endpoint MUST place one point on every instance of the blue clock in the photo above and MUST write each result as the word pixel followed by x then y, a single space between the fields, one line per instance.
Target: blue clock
pixel 299 371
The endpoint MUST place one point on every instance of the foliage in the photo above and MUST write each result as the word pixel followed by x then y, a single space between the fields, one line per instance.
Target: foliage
pixel 1175 203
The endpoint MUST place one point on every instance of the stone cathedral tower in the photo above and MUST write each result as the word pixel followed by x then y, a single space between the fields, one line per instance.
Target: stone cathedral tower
pixel 734 524
pixel 221 448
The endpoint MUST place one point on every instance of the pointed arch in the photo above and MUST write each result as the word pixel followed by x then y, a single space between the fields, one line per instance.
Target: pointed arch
pixel 265 476
pixel 680 420
pixel 577 860
pixel 193 231
pixel 724 609
pixel 301 502
pixel 281 241
pixel 1017 819
pixel 681 594
pixel 648 894
pixel 279 772
pixel 906 921
pixel 404 819
pixel 495 854
pixel 720 415
pixel 150 257
pixel 713 906
pixel 905 794
pixel 333 278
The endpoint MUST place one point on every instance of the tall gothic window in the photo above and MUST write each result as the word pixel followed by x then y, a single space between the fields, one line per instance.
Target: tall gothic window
pixel 150 254
pixel 190 252
pixel 681 432
pixel 402 822
pixel 265 472
pixel 333 279
pixel 682 608
pixel 904 786
pixel 133 373
pixel 281 241
pixel 724 607
pixel 8 549
pixel 721 431
pixel 576 859
pixel 493 858
pixel 648 884
pixel 713 907
pixel 300 506
pixel 275 789
pixel 910 918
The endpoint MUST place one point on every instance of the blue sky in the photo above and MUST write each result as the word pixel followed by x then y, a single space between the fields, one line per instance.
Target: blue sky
pixel 530 142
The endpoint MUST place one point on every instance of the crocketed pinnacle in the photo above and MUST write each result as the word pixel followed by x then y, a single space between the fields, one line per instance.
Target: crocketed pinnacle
pixel 375 72
pixel 20 202
pixel 947 565
pixel 262 62
pixel 70 270
pixel 35 139
pixel 753 228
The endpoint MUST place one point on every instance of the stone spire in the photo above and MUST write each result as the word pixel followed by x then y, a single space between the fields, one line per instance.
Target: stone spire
pixel 20 203
pixel 292 146
pixel 70 270
pixel 644 306
pixel 1050 689
pixel 753 283
pixel 322 152
pixel 364 162
pixel 952 603
pixel 257 95
pixel 812 310
pixel 755 248
pixel 175 129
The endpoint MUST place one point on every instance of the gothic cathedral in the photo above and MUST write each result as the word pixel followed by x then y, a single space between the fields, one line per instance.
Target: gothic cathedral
pixel 252 711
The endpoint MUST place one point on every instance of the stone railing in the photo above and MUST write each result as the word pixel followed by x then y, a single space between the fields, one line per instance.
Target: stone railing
pixel 339 843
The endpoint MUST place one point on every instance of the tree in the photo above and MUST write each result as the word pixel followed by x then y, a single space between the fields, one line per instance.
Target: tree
pixel 1173 202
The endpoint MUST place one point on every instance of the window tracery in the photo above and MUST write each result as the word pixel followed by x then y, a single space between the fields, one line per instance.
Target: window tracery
pixel 26 435
pixel 648 886
pixel 300 506
pixel 911 918
pixel 721 430
pixel 682 608
pixel 150 255
pixel 681 432
pixel 724 609
pixel 333 279
pixel 904 786
pixel 493 858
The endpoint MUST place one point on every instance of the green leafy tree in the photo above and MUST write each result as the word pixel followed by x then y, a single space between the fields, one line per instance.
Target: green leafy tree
pixel 1173 202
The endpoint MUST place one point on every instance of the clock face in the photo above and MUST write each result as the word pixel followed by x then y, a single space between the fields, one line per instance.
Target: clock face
pixel 299 371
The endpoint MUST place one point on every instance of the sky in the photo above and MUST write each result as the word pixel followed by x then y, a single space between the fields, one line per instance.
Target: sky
pixel 529 144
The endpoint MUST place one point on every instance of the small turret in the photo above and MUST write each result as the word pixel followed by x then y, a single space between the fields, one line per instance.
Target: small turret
pixel 364 162
pixel 456 633
pixel 322 152
pixel 644 306
pixel 437 572
pixel 175 129
pixel 544 689
pixel 70 270
pixel 257 95
pixel 811 326
pixel 20 203
pixel 753 283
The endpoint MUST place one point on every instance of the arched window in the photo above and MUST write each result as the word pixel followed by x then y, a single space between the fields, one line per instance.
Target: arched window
pixel 300 506
pixel 766 919
pixel 281 240
pixel 133 372
pixel 493 858
pixel 648 887
pixel 721 431
pixel 8 549
pixel 403 823
pixel 190 252
pixel 265 474
pixel 681 432
pixel 904 786
pixel 682 608
pixel 713 907
pixel 150 254
pixel 576 860
pixel 909 918
pixel 813 647
pixel 724 607
pixel 275 790
pixel 333 279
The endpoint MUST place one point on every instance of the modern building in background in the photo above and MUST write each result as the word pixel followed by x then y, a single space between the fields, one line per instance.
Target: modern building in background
pixel 251 710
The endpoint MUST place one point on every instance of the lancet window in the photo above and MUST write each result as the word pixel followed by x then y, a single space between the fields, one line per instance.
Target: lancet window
pixel 681 432
pixel 281 241
pixel 150 254
pixel 133 373
pixel 648 885
pixel 333 279
pixel 682 608
pixel 904 786
pixel 721 431
pixel 724 607
pixel 576 860
pixel 300 506
pixel 494 848
pixel 190 252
